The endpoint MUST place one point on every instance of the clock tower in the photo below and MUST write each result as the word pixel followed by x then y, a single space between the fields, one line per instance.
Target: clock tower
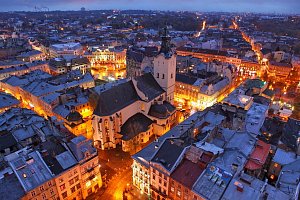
pixel 164 70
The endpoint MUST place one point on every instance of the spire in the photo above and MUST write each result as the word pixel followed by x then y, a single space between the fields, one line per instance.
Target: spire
pixel 166 43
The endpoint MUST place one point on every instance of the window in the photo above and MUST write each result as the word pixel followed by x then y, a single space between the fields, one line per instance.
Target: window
pixel 64 195
pixel 159 181
pixel 61 180
pixel 42 188
pixel 179 193
pixel 171 75
pixel 153 176
pixel 71 182
pixel 33 193
pixel 51 191
pixel 76 178
pixel 163 76
pixel 44 196
pixel 275 165
pixel 78 186
pixel 50 184
pixel 62 187
pixel 157 76
pixel 73 189
pixel 172 189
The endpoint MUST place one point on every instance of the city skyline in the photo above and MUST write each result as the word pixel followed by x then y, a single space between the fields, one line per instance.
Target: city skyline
pixel 267 6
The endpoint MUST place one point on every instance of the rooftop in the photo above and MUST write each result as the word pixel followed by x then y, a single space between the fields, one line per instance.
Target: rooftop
pixel 283 157
pixel 135 125
pixel 255 117
pixel 169 152
pixel 7 100
pixel 288 180
pixel 161 111
pixel 115 99
pixel 259 156
pixel 212 183
pixel 29 168
pixel 187 173
pixel 182 130
pixel 238 100
pixel 244 187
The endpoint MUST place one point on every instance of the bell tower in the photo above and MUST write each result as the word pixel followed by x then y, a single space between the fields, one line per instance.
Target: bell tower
pixel 164 70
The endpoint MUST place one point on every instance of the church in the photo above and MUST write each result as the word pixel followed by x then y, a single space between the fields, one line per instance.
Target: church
pixel 130 113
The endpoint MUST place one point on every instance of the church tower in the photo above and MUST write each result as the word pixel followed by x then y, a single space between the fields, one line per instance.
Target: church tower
pixel 164 69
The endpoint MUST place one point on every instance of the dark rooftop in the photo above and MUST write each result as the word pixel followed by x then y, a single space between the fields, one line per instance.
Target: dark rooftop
pixel 161 111
pixel 187 79
pixel 116 98
pixel 7 140
pixel 136 124
pixel 149 86
pixel 291 132
pixel 169 153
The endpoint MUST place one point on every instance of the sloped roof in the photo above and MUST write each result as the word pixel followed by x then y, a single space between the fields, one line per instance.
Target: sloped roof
pixel 187 173
pixel 259 156
pixel 291 132
pixel 7 140
pixel 135 125
pixel 161 111
pixel 168 153
pixel 187 79
pixel 135 55
pixel 115 99
pixel 149 86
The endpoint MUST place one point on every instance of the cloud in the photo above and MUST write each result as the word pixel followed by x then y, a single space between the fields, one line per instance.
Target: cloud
pixel 286 6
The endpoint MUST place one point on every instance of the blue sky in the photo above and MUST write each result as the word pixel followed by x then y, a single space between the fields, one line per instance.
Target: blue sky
pixel 268 6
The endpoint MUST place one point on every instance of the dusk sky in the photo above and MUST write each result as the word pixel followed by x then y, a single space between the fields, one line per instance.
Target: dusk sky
pixel 268 6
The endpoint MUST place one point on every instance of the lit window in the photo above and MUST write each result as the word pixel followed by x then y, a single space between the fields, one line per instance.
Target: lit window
pixel 172 189
pixel 275 165
pixel 179 193
pixel 62 187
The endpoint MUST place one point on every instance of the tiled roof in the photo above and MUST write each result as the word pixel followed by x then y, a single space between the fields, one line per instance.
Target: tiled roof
pixel 187 173
pixel 259 156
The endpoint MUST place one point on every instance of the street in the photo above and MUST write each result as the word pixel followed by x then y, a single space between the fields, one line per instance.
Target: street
pixel 116 176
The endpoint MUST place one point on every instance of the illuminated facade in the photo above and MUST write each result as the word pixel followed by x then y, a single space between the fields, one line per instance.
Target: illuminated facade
pixel 89 167
pixel 107 56
pixel 141 177
pixel 279 70
pixel 199 93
